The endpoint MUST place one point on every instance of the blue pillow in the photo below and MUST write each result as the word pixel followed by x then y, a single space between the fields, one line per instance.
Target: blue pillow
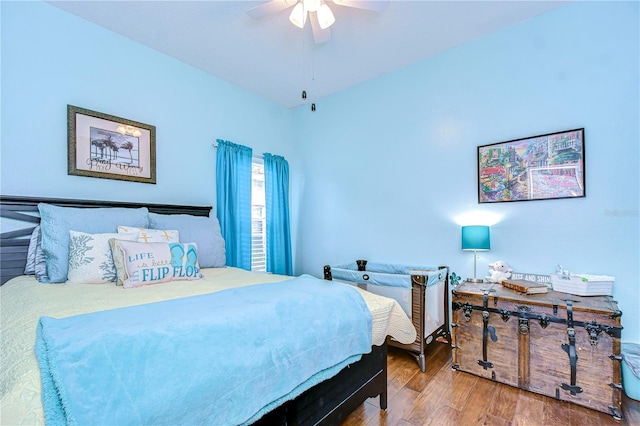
pixel 204 231
pixel 56 222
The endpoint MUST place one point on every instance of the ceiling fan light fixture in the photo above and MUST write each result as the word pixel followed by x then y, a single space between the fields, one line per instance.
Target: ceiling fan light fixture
pixel 311 5
pixel 298 16
pixel 325 16
pixel 321 14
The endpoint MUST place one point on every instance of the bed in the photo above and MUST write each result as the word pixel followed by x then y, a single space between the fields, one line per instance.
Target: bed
pixel 33 311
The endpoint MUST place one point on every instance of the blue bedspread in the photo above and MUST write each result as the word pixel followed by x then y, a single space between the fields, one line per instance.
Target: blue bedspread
pixel 224 358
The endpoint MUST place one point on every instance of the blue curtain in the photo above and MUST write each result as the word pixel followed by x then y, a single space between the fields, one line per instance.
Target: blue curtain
pixel 276 176
pixel 233 185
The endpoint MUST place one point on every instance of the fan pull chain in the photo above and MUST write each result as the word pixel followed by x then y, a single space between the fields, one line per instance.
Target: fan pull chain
pixel 313 81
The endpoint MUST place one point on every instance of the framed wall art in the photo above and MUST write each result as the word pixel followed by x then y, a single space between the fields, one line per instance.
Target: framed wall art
pixel 536 168
pixel 109 147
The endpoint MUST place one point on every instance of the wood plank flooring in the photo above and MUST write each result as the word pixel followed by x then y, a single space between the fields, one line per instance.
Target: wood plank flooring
pixel 442 396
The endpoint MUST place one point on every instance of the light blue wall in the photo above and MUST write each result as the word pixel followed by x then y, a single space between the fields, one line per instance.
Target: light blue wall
pixel 51 58
pixel 393 177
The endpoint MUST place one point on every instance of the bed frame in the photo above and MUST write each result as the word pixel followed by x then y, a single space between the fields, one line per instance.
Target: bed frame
pixel 327 403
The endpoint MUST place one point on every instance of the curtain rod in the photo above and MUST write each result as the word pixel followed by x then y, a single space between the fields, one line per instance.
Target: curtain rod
pixel 260 156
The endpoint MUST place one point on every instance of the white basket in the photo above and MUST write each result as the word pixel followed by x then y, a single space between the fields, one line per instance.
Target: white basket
pixel 584 284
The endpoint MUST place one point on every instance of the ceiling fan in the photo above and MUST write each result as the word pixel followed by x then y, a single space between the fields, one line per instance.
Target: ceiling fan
pixel 319 13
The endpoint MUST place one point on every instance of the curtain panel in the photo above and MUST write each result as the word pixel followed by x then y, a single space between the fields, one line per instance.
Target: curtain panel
pixel 276 175
pixel 233 199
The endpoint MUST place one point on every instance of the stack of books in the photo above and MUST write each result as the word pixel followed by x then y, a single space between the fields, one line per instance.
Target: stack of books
pixel 526 287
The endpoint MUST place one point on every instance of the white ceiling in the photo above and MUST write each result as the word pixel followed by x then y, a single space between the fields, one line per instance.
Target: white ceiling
pixel 277 60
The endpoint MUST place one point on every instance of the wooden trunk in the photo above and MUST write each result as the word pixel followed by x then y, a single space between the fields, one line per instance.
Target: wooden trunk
pixel 555 344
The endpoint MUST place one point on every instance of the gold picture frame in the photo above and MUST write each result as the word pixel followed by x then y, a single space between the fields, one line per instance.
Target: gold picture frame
pixel 109 147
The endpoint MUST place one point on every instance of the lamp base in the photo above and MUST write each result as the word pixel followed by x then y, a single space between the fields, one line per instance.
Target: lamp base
pixel 474 280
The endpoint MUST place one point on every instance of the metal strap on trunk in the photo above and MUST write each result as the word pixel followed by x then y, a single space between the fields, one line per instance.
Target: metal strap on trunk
pixel 486 330
pixel 611 330
pixel 570 349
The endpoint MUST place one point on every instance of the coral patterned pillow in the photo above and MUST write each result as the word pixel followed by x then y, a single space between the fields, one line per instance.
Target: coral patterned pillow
pixel 90 260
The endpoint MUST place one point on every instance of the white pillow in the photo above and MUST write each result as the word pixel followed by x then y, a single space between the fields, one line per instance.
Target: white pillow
pixel 146 235
pixel 139 264
pixel 90 259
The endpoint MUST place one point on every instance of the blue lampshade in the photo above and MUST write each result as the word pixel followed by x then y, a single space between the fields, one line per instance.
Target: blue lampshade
pixel 475 237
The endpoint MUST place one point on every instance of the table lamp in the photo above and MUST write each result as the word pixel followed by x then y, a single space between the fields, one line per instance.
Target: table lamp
pixel 475 238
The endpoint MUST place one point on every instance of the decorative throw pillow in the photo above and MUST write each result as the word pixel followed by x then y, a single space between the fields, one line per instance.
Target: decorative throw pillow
pixel 146 235
pixel 139 264
pixel 56 222
pixel 41 262
pixel 30 267
pixel 36 260
pixel 117 254
pixel 205 231
pixel 90 260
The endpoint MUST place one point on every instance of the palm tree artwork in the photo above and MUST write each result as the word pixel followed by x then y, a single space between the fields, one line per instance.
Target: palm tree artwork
pixel 129 147
pixel 102 144
pixel 106 145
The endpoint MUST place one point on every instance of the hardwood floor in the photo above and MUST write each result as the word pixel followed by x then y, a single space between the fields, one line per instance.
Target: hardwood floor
pixel 442 396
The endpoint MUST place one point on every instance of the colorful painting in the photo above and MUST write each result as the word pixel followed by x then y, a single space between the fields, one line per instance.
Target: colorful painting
pixel 536 168
pixel 105 146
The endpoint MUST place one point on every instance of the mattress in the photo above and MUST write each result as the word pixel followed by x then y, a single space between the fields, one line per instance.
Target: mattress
pixel 23 300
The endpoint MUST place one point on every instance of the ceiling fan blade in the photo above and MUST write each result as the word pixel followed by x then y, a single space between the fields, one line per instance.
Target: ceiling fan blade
pixel 319 35
pixel 375 5
pixel 269 8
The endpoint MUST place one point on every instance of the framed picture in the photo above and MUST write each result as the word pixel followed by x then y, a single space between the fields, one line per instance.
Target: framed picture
pixel 109 147
pixel 536 168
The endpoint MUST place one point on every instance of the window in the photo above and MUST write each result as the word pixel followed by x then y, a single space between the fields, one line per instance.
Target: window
pixel 258 217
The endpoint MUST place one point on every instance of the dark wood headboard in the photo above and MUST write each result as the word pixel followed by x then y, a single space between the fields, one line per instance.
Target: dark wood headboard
pixel 15 244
